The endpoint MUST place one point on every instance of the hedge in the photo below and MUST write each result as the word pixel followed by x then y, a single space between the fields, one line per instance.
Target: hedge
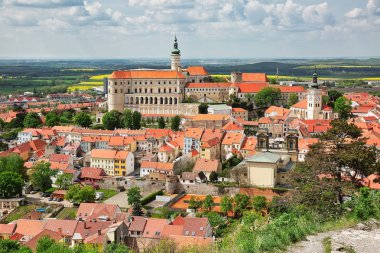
pixel 151 197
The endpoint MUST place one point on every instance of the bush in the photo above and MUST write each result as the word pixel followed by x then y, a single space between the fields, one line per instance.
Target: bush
pixel 151 197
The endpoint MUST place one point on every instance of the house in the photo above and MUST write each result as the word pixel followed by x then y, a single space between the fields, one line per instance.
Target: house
pixel 231 144
pixel 114 162
pixel 209 120
pixel 210 143
pixel 248 147
pixel 72 149
pixel 240 113
pixel 61 158
pixel 97 212
pixel 92 175
pixel 267 169
pixel 136 226
pixel 7 230
pixel 304 147
pixel 59 194
pixel 207 166
pixel 192 139
pixel 189 178
pixel 168 152
pixel 163 168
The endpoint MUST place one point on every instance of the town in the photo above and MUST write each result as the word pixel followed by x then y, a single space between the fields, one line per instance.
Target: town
pixel 171 158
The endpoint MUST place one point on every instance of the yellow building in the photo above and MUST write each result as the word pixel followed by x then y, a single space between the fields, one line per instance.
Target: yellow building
pixel 114 162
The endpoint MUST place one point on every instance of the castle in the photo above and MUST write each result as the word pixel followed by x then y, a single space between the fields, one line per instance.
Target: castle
pixel 164 92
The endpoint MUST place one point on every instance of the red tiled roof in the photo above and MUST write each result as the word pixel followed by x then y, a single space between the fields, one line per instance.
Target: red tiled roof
pixel 7 229
pixel 32 243
pixel 290 89
pixel 254 77
pixel 154 228
pixel 301 104
pixel 197 71
pixel 92 173
pixel 137 224
pixel 206 165
pixel 146 74
pixel 29 227
pixel 60 158
pixel 251 87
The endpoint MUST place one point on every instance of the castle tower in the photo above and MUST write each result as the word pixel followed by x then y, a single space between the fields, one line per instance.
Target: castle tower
pixel 314 99
pixel 176 56
pixel 236 77
pixel 115 95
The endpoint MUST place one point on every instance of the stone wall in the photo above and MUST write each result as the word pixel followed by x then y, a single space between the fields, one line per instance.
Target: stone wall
pixel 205 189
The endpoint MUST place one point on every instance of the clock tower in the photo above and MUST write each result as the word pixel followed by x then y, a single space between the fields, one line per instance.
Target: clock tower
pixel 314 99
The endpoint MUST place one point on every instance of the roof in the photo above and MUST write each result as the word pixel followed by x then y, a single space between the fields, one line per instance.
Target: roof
pixel 233 138
pixel 211 117
pixel 137 223
pixel 195 227
pixel 194 133
pixel 32 243
pixel 157 165
pixel 289 89
pixel 239 110
pixel 206 165
pixel 277 111
pixel 249 143
pixel 189 175
pixel 59 158
pixel 254 77
pixel 93 173
pixel 29 227
pixel 233 126
pixel 146 74
pixel 7 228
pixel 154 228
pixel 220 107
pixel 265 157
pixel 300 105
pixel 67 227
pixel 103 153
pixel 251 87
pixel 207 85
pixel 197 71
pixel 95 210
pixel 304 144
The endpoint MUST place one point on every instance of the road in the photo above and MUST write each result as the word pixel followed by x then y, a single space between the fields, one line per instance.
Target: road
pixel 119 199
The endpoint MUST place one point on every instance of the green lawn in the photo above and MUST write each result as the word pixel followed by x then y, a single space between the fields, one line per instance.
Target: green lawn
pixel 18 213
pixel 67 213
pixel 108 193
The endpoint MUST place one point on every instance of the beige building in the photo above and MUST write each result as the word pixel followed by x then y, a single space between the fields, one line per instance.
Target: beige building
pixel 113 162
pixel 268 169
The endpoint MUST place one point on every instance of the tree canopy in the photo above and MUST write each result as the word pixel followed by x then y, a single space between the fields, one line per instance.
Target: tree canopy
pixel 52 119
pixel 32 120
pixel 41 176
pixel 83 119
pixel 161 123
pixel 175 123
pixel 11 184
pixel 293 99
pixel 79 194
pixel 343 107
pixel 267 97
pixel 136 120
pixel 64 181
pixel 134 199
pixel 127 119
pixel 112 120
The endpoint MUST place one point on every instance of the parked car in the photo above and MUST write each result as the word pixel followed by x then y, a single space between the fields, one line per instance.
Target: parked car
pixel 55 199
pixel 59 200
pixel 50 198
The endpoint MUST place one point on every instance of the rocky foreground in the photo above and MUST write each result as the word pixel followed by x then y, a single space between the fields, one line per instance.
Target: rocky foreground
pixel 363 238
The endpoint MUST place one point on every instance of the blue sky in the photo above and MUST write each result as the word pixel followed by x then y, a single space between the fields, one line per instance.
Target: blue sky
pixel 205 28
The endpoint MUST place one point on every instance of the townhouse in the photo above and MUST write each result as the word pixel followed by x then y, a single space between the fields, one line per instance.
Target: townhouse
pixel 192 139
pixel 114 162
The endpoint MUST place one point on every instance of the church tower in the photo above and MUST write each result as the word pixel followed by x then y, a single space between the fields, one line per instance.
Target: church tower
pixel 176 56
pixel 314 99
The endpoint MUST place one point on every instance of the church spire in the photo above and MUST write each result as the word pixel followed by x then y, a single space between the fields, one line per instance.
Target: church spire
pixel 315 75
pixel 175 46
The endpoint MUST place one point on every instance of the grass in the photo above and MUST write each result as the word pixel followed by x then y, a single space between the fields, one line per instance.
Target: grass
pixel 327 245
pixel 18 213
pixel 108 193
pixel 67 213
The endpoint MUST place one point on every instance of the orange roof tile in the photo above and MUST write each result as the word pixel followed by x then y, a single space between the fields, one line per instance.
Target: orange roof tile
pixel 206 165
pixel 233 138
pixel 277 111
pixel 146 74
pixel 211 117
pixel 194 133
pixel 197 71
pixel 301 104
pixel 254 77
pixel 154 228
pixel 238 110
pixel 251 87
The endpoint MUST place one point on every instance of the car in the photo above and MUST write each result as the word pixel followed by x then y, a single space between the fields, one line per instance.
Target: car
pixel 55 199
pixel 59 200
pixel 50 198
pixel 33 192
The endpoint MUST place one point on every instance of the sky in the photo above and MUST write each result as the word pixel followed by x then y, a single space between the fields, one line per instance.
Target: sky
pixel 124 29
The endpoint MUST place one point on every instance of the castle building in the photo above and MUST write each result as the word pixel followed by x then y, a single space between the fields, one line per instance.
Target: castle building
pixel 152 91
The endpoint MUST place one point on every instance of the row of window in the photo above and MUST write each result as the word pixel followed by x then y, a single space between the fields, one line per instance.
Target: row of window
pixel 145 82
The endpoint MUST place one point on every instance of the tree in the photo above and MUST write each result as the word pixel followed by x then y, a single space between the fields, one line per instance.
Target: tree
pixel 343 107
pixel 213 176
pixel 32 120
pixel 44 243
pixel 52 119
pixel 41 176
pixel 136 120
pixel 175 123
pixel 112 120
pixel 226 204
pixel 333 168
pixel 325 100
pixel 334 95
pixel 3 146
pixel 241 202
pixel 64 181
pixel 203 108
pixel 161 123
pixel 134 199
pixel 11 184
pixel 259 203
pixel 127 120
pixel 195 203
pixel 83 119
pixel 13 163
pixel 2 124
pixel 10 246
pixel 293 99
pixel 267 96
pixel 80 194
pixel 116 248
pixel 208 203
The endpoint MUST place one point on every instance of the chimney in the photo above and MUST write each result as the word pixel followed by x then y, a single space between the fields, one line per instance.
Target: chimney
pixel 99 231
pixel 60 231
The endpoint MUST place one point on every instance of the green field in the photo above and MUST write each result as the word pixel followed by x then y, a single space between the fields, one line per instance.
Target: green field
pixel 18 213
pixel 108 193
pixel 67 213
